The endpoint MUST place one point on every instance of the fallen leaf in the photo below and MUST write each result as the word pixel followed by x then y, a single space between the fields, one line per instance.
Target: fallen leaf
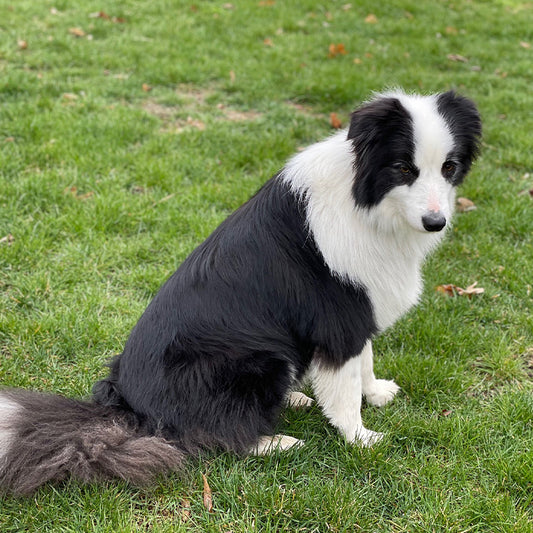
pixel 346 7
pixel 9 139
pixel 77 32
pixel 450 30
pixel 70 96
pixel 146 88
pixel 451 290
pixel 525 45
pixel 267 3
pixel 73 191
pixel 336 50
pixel 335 121
pixel 357 60
pixel 228 6
pixel 232 76
pixel 99 15
pixel 446 412
pixel 208 497
pixel 8 239
pixel 371 19
pixel 457 57
pixel 464 205
pixel 268 42
pixel 23 45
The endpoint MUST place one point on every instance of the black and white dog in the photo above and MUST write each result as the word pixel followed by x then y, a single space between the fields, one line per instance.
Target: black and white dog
pixel 295 283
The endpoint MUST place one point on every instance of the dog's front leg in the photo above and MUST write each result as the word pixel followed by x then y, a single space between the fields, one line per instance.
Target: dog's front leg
pixel 338 391
pixel 377 392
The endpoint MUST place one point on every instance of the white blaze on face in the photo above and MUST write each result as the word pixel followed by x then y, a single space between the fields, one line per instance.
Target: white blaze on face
pixel 433 141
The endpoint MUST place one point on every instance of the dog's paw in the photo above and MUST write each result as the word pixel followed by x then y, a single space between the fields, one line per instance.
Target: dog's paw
pixel 269 444
pixel 298 400
pixel 380 392
pixel 366 437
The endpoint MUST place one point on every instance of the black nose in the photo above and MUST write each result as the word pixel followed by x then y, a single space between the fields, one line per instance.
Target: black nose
pixel 433 221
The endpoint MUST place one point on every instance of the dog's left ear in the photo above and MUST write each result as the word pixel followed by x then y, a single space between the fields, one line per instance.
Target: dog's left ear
pixel 464 121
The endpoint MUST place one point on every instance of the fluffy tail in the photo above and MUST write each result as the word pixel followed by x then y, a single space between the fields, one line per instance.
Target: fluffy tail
pixel 47 438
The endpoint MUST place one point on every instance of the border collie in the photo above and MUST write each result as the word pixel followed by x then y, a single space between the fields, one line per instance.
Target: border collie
pixel 294 284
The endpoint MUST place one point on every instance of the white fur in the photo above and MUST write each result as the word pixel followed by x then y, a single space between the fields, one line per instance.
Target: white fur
pixel 377 392
pixel 268 444
pixel 298 400
pixel 381 248
pixel 338 392
pixel 8 413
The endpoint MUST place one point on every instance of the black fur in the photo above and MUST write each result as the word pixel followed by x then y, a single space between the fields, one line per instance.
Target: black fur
pixel 215 353
pixel 462 117
pixel 382 135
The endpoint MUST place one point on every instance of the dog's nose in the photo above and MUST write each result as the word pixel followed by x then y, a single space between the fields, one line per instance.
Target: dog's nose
pixel 434 221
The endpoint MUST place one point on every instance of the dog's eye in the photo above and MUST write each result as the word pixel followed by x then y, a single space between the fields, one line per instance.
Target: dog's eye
pixel 404 169
pixel 448 168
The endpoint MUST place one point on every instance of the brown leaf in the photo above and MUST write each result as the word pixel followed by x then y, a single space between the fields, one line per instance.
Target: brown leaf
pixel 450 30
pixel 70 96
pixel 452 290
pixel 146 88
pixel 99 15
pixel 525 45
pixel 77 32
pixel 208 497
pixel 336 50
pixel 9 139
pixel 232 76
pixel 464 205
pixel 8 239
pixel 267 3
pixel 22 44
pixel 371 19
pixel 457 57
pixel 446 412
pixel 335 121
pixel 268 42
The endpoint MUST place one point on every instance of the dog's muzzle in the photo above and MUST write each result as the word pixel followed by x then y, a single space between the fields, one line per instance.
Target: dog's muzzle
pixel 434 221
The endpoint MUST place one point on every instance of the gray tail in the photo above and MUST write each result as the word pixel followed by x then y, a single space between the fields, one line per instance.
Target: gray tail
pixel 49 438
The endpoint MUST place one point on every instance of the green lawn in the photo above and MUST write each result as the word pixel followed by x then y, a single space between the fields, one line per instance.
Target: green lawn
pixel 125 138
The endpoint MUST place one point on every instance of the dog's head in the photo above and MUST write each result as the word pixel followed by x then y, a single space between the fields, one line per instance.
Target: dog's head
pixel 410 153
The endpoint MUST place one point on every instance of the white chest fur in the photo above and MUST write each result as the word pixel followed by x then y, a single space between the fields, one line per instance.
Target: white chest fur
pixel 371 247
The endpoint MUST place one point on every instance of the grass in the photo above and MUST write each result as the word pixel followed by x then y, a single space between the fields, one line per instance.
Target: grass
pixel 121 149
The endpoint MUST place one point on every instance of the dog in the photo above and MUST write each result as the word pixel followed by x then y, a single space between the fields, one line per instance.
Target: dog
pixel 293 285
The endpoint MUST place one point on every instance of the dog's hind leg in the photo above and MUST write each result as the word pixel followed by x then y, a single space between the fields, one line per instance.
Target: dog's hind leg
pixel 377 392
pixel 298 400
pixel 339 393
pixel 267 444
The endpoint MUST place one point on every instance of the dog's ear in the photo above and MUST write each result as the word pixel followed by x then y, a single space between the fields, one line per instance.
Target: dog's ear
pixel 374 122
pixel 379 130
pixel 464 121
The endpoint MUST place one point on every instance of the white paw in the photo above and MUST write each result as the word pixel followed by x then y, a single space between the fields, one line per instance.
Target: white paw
pixel 380 392
pixel 298 400
pixel 269 444
pixel 367 437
